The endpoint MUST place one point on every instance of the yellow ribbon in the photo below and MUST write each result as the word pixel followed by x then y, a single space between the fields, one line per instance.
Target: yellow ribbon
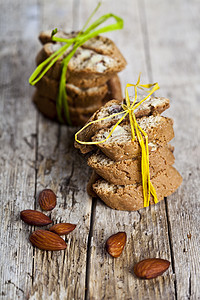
pixel 136 130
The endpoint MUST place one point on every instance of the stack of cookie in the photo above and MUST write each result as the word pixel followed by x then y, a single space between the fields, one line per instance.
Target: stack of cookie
pixel 91 78
pixel 116 163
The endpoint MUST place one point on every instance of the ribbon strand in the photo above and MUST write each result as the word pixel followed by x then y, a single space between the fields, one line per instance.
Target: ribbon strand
pixel 136 131
pixel 83 36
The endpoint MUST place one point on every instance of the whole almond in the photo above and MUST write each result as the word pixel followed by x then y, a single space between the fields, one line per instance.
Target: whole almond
pixel 47 199
pixel 47 240
pixel 151 268
pixel 62 228
pixel 115 244
pixel 33 217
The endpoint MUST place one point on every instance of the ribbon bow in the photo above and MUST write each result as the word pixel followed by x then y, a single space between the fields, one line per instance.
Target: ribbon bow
pixel 136 130
pixel 76 42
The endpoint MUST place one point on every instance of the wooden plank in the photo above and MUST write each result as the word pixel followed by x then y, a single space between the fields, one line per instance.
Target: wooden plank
pixel 147 229
pixel 176 54
pixel 146 237
pixel 19 20
pixel 59 169
pixel 17 158
pixel 59 14
pixel 61 275
pixel 129 40
pixel 174 37
pixel 28 274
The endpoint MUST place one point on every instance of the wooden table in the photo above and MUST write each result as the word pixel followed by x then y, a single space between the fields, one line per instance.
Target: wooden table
pixel 162 40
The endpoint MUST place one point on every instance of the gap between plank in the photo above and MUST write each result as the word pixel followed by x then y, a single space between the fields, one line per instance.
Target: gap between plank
pixel 143 21
pixel 145 35
pixel 170 246
pixel 35 191
pixel 88 255
pixel 36 158
pixel 75 24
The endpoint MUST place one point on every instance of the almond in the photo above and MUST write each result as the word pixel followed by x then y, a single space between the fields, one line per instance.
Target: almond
pixel 46 240
pixel 115 244
pixel 62 228
pixel 47 199
pixel 151 268
pixel 33 217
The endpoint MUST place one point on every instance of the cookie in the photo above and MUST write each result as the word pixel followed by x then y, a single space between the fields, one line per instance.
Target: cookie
pixel 78 114
pixel 99 44
pixel 47 107
pixel 129 171
pixel 93 178
pixel 79 97
pixel 114 89
pixel 45 36
pixel 86 97
pixel 130 197
pixel 120 146
pixel 87 68
pixel 153 106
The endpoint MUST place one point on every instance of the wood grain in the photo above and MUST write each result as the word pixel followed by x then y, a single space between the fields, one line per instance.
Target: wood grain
pixel 180 84
pixel 63 170
pixel 17 159
pixel 160 39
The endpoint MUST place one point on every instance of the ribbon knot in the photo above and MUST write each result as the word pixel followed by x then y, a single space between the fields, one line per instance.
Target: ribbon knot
pixel 136 131
pixel 127 108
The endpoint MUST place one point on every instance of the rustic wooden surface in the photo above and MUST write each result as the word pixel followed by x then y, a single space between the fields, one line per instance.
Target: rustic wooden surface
pixel 161 39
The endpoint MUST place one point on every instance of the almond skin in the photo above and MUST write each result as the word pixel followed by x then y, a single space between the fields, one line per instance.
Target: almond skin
pixel 47 240
pixel 115 244
pixel 47 199
pixel 33 217
pixel 62 228
pixel 151 268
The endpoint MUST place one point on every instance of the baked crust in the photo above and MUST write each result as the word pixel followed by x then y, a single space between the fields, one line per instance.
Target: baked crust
pixel 93 64
pixel 49 88
pixel 130 197
pixel 78 113
pixel 129 171
pixel 120 145
pixel 153 106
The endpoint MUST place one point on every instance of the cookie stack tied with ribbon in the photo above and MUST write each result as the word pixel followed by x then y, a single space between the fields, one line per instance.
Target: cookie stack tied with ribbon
pixel 77 72
pixel 132 158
